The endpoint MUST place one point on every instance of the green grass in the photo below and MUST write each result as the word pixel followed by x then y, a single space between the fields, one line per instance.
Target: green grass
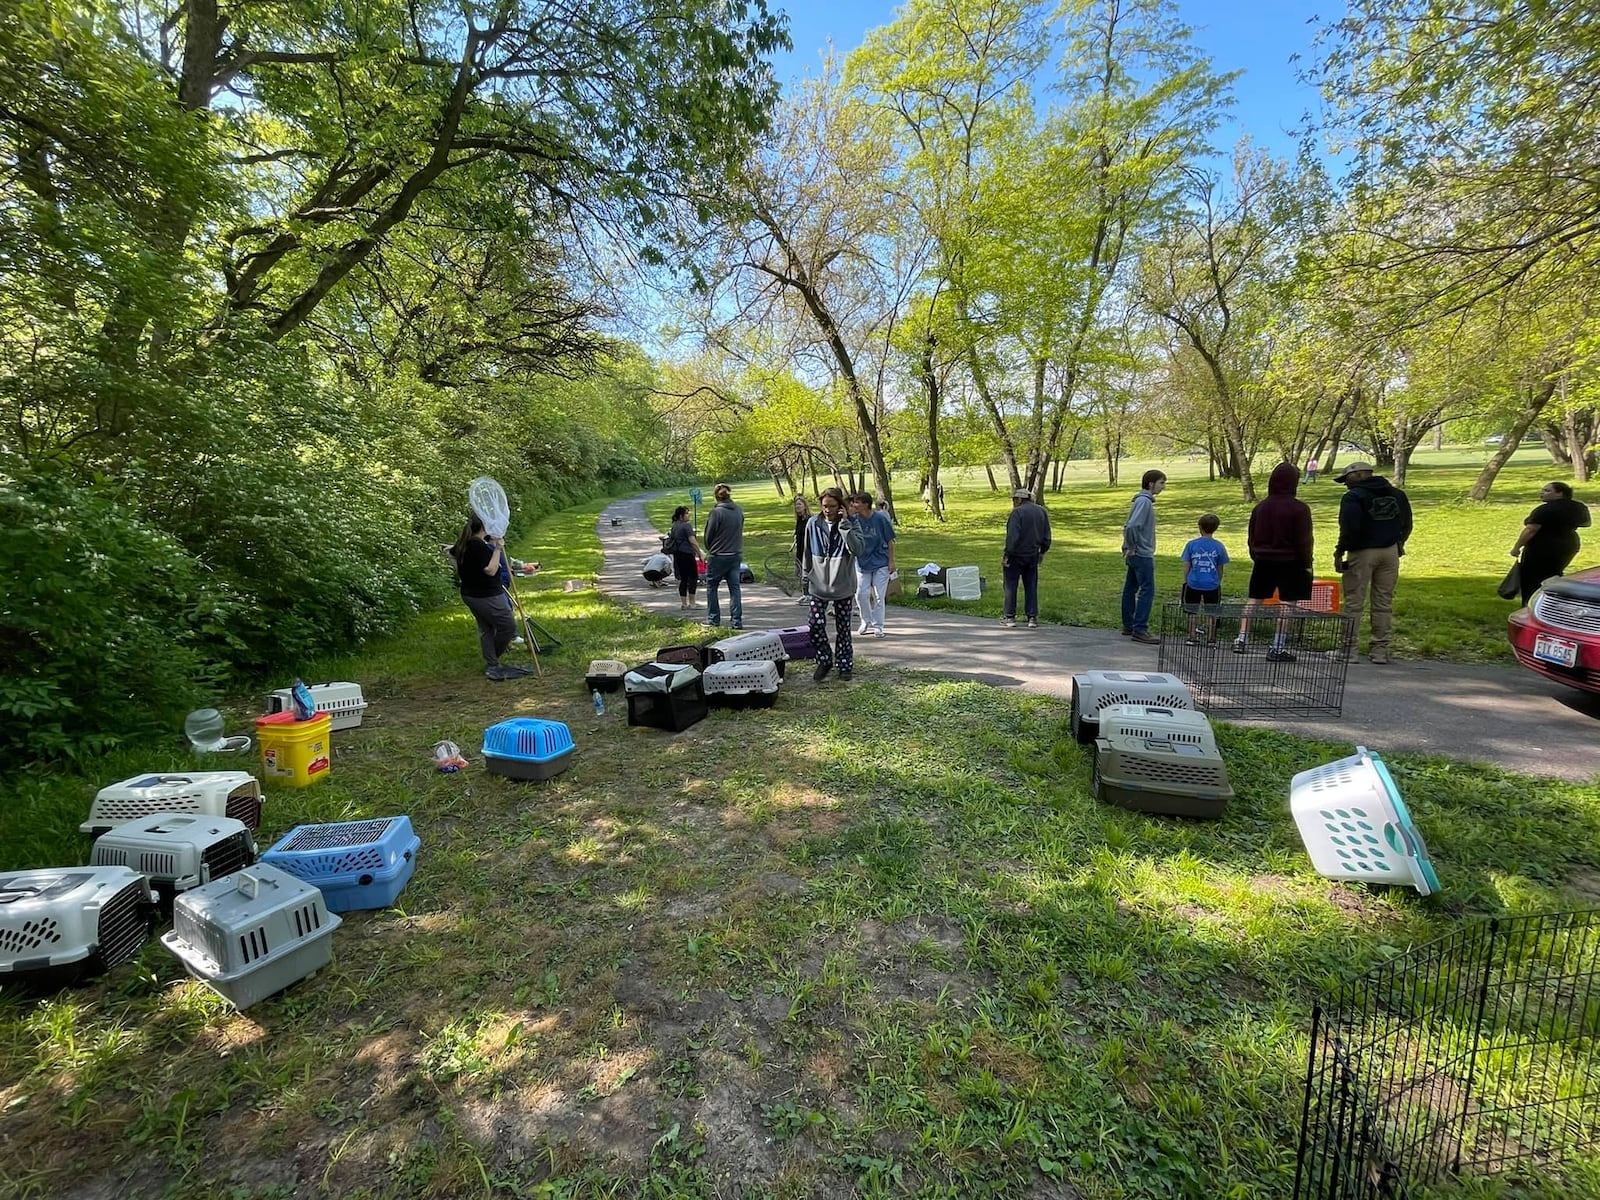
pixel 871 942
pixel 1445 607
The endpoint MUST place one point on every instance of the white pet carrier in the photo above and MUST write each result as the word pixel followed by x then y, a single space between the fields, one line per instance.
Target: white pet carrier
pixel 753 684
pixel 759 646
pixel 233 794
pixel 1093 691
pixel 343 701
pixel 1356 826
pixel 63 924
pixel 962 583
pixel 177 851
pixel 252 934
pixel 1152 721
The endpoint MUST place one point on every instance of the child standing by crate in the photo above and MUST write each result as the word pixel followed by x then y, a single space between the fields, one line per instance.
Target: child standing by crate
pixel 1204 559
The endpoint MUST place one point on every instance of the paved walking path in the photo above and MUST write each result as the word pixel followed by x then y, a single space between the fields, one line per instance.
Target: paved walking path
pixel 1500 715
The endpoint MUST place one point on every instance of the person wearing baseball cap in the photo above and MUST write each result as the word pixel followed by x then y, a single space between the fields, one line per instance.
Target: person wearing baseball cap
pixel 1374 524
pixel 1027 540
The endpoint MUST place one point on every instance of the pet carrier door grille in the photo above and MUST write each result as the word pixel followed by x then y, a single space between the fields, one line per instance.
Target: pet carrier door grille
pixel 1270 660
pixel 1475 1055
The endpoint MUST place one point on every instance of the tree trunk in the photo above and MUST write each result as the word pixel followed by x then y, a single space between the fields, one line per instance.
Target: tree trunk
pixel 989 471
pixel 1537 397
pixel 930 385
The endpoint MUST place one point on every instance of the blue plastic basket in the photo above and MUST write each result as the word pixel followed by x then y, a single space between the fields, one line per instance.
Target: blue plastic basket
pixel 355 864
pixel 527 748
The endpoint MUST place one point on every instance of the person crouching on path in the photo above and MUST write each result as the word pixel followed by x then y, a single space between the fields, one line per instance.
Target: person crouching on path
pixel 875 565
pixel 1139 549
pixel 1027 542
pixel 1280 547
pixel 478 559
pixel 686 556
pixel 833 543
pixel 657 568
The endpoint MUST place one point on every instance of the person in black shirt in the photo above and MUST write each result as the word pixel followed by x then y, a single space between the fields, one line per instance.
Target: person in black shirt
pixel 478 558
pixel 1549 537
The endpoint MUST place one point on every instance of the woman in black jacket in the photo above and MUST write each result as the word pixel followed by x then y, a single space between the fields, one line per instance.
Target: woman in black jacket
pixel 478 557
pixel 1549 539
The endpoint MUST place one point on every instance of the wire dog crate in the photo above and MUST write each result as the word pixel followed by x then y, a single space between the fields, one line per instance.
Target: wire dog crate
pixel 1293 659
pixel 1474 1055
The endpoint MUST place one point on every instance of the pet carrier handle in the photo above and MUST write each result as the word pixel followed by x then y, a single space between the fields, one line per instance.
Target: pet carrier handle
pixel 249 885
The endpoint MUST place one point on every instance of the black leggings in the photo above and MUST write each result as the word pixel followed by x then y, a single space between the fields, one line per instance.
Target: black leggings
pixel 687 568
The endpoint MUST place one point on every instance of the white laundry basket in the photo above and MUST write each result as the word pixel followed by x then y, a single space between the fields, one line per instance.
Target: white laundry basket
pixel 1093 691
pixel 1356 827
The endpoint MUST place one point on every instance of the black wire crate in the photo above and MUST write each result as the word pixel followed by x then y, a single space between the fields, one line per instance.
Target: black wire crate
pixel 1472 1056
pixel 1266 660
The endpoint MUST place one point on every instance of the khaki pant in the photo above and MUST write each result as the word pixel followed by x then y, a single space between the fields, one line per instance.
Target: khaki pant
pixel 1372 571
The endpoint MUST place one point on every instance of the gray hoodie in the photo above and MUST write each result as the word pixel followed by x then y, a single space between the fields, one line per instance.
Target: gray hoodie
pixel 1139 533
pixel 829 562
pixel 725 529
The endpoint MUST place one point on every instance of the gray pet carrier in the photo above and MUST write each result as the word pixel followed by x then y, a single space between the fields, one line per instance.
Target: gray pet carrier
pixel 1160 776
pixel 177 851
pixel 63 924
pixel 1096 690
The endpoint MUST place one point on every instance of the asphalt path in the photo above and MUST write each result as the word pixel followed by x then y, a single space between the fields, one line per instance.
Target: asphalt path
pixel 1505 716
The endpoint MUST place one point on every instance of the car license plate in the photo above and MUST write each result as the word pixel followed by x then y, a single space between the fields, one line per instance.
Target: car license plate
pixel 1555 650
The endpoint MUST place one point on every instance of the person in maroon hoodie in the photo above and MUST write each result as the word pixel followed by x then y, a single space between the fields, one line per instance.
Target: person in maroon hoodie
pixel 1280 548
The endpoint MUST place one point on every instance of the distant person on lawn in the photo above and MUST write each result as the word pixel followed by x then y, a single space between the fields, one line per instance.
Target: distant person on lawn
pixel 1204 559
pixel 1281 550
pixel 1374 524
pixel 1311 470
pixel 724 546
pixel 1027 542
pixel 1549 539
pixel 1139 549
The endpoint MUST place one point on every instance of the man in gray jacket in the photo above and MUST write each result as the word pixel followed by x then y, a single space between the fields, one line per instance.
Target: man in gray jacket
pixel 724 542
pixel 1027 540
pixel 1139 549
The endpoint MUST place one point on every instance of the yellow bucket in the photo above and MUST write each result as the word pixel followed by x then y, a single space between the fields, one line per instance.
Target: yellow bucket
pixel 297 753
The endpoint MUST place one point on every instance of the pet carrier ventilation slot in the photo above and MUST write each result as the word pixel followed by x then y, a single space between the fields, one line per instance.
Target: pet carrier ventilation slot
pixel 1093 691
pixel 233 794
pixel 355 864
pixel 177 851
pixel 527 748
pixel 1159 776
pixel 343 702
pixel 252 934
pixel 1355 825
pixel 63 924
pixel 665 696
pixel 742 684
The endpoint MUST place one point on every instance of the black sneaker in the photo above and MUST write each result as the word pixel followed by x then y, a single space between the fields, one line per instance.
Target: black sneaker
pixel 1277 654
pixel 821 671
pixel 1127 633
pixel 844 676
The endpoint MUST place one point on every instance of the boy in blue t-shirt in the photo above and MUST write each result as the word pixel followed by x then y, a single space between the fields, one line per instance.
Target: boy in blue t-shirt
pixel 1203 561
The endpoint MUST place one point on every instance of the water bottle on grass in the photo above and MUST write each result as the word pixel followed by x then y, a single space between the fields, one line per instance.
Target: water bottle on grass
pixel 599 703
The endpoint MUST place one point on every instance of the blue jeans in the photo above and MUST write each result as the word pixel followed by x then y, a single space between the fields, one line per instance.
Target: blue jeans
pixel 718 568
pixel 1023 569
pixel 1139 594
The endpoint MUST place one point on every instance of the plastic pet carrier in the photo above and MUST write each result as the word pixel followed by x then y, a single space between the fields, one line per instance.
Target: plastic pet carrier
pixel 742 684
pixel 234 794
pixel 797 641
pixel 1355 825
pixel 355 864
pixel 694 656
pixel 1093 691
pixel 341 701
pixel 605 675
pixel 63 924
pixel 527 748
pixel 665 696
pixel 962 583
pixel 177 851
pixel 252 934
pixel 1152 721
pixel 1160 776
pixel 761 646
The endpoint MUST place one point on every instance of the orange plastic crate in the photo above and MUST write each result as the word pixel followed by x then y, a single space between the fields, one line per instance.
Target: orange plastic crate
pixel 1327 595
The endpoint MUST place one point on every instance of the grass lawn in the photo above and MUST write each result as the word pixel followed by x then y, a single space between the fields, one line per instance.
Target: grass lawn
pixel 1445 606
pixel 876 941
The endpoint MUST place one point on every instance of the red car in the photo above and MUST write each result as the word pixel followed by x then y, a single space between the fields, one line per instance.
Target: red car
pixel 1558 635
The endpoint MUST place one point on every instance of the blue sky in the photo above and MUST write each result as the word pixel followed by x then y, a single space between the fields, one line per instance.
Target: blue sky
pixel 1247 35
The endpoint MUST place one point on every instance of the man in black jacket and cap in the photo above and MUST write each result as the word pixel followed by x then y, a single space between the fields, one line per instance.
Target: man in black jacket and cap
pixel 1374 523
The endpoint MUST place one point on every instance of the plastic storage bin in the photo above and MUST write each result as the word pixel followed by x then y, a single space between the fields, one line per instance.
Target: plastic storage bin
pixel 741 684
pixel 341 701
pixel 1355 825
pixel 177 851
pixel 1153 721
pixel 605 675
pixel 962 583
pixel 1096 690
pixel 665 696
pixel 797 642
pixel 233 794
pixel 1160 776
pixel 297 753
pixel 64 924
pixel 354 864
pixel 527 748
pixel 252 934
